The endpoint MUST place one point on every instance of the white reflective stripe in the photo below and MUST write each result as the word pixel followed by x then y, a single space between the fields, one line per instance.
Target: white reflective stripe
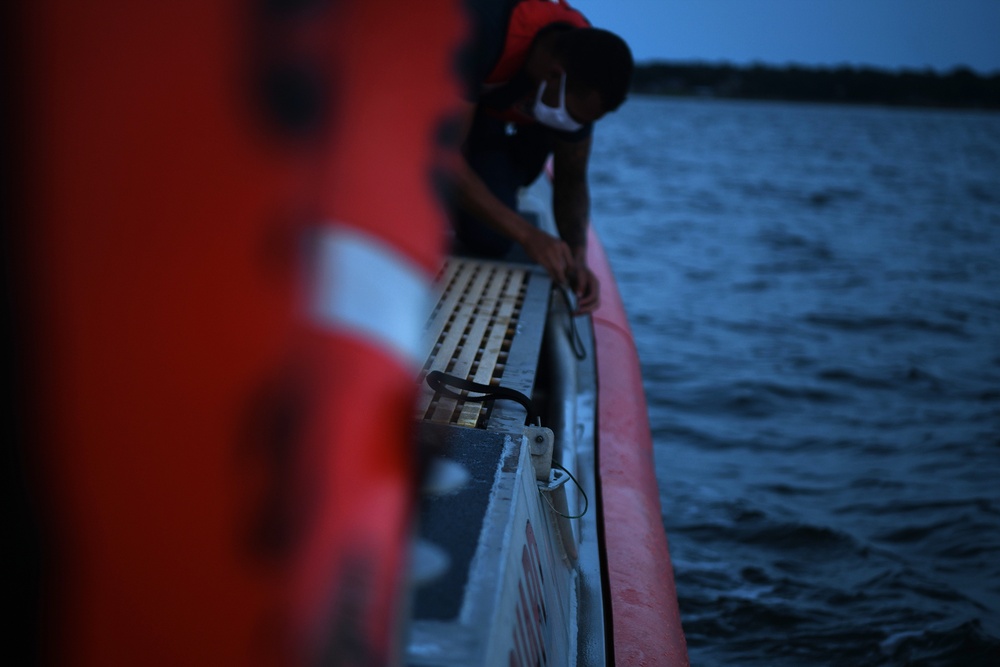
pixel 365 286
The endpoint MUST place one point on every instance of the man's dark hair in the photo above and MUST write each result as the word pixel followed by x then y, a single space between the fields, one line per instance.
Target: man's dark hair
pixel 599 60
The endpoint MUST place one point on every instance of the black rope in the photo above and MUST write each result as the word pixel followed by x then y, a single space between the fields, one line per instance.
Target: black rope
pixel 586 500
pixel 442 383
pixel 579 350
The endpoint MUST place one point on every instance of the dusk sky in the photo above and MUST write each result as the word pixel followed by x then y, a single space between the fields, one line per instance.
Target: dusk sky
pixel 890 34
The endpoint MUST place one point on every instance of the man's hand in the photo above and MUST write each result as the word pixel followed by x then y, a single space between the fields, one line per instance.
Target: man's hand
pixel 551 253
pixel 587 288
pixel 565 267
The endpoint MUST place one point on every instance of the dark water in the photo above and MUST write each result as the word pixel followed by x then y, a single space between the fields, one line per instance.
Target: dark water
pixel 815 292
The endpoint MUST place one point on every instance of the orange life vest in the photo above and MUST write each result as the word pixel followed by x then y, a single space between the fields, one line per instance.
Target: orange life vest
pixel 527 19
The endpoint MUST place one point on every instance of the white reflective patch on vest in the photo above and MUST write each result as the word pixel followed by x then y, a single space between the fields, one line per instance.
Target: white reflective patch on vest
pixel 365 286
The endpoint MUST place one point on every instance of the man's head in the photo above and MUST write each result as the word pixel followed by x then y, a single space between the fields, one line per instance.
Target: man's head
pixel 598 65
pixel 586 71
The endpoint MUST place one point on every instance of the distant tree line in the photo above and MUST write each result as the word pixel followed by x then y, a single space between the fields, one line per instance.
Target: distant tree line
pixel 959 88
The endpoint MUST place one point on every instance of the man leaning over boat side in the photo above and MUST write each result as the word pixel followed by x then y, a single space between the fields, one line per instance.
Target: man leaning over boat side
pixel 538 78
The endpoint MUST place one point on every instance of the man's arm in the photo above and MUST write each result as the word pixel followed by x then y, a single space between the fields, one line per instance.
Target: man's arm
pixel 571 208
pixel 475 197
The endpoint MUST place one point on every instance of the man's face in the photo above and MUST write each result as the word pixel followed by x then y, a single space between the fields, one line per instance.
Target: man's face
pixel 582 104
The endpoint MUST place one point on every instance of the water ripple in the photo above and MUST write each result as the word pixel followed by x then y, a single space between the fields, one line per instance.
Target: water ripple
pixel 814 297
pixel 868 323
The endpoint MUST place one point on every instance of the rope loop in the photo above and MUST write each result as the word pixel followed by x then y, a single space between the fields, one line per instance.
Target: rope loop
pixel 442 383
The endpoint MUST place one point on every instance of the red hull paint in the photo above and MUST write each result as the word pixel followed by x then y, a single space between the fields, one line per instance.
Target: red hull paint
pixel 647 627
